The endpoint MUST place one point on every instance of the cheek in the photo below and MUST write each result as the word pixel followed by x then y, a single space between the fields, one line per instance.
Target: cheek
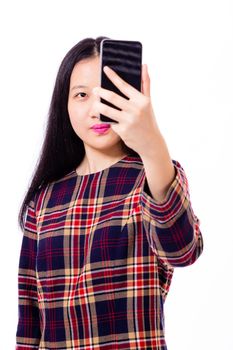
pixel 74 118
pixel 77 113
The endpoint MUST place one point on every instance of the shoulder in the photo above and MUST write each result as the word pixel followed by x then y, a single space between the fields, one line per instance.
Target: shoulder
pixel 130 167
pixel 58 188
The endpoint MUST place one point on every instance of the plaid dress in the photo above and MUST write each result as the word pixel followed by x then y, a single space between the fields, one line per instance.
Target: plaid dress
pixel 97 258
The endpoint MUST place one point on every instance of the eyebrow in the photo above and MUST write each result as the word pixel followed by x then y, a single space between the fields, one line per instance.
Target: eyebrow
pixel 78 86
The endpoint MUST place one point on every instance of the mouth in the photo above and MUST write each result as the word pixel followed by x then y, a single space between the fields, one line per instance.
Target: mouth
pixel 100 126
pixel 101 130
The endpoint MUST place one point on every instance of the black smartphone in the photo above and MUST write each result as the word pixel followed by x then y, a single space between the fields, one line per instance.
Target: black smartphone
pixel 125 58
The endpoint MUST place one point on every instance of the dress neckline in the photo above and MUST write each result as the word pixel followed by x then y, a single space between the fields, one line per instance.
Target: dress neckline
pixel 100 171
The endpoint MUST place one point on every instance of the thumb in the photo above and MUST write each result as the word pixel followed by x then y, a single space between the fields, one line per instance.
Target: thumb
pixel 145 82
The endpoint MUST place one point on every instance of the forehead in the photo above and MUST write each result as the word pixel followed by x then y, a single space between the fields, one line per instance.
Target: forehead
pixel 86 70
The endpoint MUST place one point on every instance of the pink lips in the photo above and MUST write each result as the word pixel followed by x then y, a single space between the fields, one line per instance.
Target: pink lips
pixel 100 128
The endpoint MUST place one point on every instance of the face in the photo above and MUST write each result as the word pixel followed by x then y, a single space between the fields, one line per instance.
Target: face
pixel 82 106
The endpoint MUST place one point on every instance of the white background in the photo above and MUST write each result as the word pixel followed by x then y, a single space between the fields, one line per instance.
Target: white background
pixel 188 46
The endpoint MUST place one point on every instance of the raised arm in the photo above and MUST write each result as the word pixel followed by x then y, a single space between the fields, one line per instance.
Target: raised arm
pixel 173 228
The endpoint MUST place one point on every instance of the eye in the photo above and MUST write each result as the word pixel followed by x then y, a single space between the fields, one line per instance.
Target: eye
pixel 80 93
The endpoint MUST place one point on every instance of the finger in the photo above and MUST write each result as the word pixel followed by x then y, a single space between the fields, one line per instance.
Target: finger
pixel 112 97
pixel 145 80
pixel 109 111
pixel 127 89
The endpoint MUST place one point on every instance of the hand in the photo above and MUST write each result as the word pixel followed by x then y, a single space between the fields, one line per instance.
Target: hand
pixel 136 125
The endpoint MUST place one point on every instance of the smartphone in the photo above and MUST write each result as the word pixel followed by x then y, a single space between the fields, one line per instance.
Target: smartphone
pixel 125 58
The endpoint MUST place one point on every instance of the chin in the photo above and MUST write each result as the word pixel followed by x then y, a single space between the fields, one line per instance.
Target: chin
pixel 102 143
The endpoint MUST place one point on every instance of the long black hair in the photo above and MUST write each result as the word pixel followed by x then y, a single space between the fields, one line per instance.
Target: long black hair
pixel 62 149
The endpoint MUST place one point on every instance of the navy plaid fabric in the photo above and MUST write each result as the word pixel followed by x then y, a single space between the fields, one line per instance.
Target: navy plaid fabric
pixel 97 259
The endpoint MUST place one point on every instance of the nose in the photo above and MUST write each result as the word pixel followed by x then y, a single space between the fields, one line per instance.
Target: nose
pixel 93 112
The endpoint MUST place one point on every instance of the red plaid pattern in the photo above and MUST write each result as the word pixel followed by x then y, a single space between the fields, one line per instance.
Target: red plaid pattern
pixel 97 259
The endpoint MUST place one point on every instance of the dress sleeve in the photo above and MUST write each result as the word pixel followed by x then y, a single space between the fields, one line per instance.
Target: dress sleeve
pixel 28 328
pixel 173 230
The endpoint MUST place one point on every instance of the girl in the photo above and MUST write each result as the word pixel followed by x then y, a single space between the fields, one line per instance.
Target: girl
pixel 106 219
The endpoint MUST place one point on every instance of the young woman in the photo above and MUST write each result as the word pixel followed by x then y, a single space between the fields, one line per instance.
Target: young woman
pixel 106 218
